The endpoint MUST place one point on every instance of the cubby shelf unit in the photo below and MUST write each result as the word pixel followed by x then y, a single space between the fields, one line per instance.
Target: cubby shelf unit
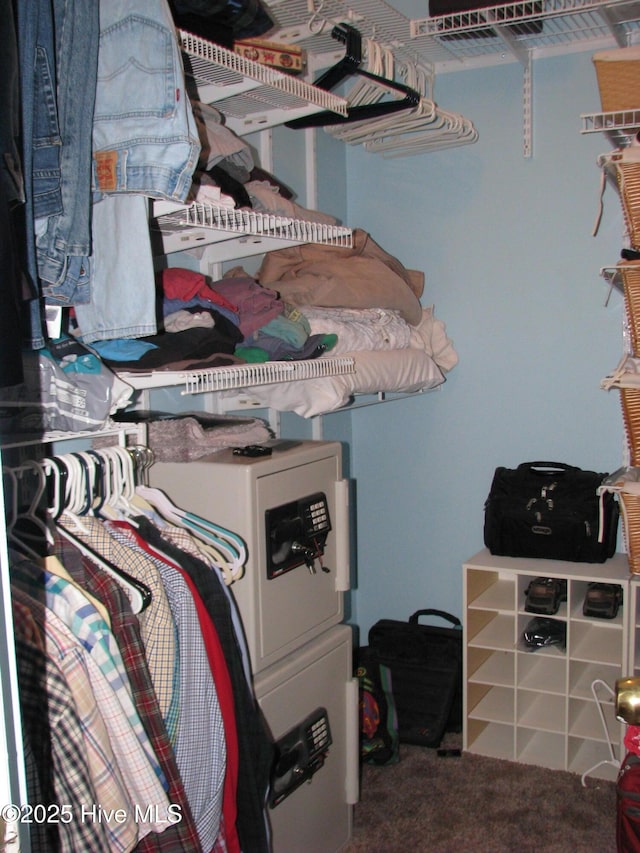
pixel 544 707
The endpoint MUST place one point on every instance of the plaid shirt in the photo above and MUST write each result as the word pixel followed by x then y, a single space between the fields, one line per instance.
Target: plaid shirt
pixel 156 621
pixel 255 745
pixel 180 837
pixel 83 620
pixel 200 743
pixel 50 718
pixel 104 770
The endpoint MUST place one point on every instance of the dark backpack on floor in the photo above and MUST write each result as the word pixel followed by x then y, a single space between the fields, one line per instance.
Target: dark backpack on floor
pixel 426 674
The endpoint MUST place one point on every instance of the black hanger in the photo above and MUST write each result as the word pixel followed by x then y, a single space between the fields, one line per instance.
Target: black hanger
pixel 346 67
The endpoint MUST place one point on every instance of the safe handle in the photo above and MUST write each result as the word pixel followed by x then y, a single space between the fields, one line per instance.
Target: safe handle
pixel 341 529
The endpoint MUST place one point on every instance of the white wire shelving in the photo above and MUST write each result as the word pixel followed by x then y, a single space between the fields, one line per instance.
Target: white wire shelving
pixel 240 375
pixel 540 28
pixel 252 96
pixel 492 35
pixel 246 232
pixel 120 432
pixel 620 127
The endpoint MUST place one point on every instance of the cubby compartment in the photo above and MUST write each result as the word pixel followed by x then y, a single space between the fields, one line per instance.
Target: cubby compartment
pixel 492 739
pixel 578 595
pixel 542 711
pixel 493 704
pixel 490 630
pixel 539 705
pixel 542 672
pixel 599 643
pixel 523 582
pixel 583 675
pixel 542 748
pixel 490 591
pixel 491 667
pixel 592 758
pixel 593 720
pixel 553 650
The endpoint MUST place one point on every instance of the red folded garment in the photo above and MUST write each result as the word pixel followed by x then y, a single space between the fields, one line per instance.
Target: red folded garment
pixel 178 283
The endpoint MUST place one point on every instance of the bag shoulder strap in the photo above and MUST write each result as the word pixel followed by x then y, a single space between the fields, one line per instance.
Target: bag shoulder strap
pixel 430 612
pixel 556 466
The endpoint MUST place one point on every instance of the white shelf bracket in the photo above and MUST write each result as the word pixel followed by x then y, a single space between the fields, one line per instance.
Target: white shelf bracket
pixel 310 153
pixel 527 108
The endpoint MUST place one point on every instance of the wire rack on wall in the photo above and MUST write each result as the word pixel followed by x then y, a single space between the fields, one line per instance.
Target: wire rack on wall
pixel 255 96
pixel 189 226
pixel 492 35
pixel 241 375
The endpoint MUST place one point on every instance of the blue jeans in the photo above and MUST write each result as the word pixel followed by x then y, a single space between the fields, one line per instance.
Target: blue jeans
pixel 67 235
pixel 41 141
pixel 121 269
pixel 145 139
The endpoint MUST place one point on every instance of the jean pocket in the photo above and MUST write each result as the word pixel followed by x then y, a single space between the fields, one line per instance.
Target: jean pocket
pixel 136 71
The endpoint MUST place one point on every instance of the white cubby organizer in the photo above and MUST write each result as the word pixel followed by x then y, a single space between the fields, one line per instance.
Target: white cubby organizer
pixel 550 707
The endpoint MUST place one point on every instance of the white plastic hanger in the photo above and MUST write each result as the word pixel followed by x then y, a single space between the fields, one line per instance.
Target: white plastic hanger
pixel 221 539
pixel 423 113
pixel 65 509
pixel 424 127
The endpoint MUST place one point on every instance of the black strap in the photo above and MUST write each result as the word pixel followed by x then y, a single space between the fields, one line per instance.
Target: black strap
pixel 442 613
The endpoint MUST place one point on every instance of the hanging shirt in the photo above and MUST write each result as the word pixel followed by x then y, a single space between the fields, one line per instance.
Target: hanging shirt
pixel 156 621
pixel 255 745
pixel 200 744
pixel 104 769
pixel 81 617
pixel 181 835
pixel 227 834
pixel 49 713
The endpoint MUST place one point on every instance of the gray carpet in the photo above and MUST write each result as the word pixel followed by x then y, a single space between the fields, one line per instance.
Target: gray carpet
pixel 473 803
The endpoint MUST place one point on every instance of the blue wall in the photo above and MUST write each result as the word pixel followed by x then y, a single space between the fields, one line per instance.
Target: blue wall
pixel 511 266
pixel 513 270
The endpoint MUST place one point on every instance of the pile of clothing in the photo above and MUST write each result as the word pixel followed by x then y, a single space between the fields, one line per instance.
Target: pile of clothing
pixel 212 324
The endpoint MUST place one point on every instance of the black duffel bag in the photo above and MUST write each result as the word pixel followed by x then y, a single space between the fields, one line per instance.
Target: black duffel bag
pixel 552 511
pixel 425 662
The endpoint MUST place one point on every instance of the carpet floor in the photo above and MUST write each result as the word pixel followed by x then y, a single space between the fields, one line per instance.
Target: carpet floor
pixel 429 804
